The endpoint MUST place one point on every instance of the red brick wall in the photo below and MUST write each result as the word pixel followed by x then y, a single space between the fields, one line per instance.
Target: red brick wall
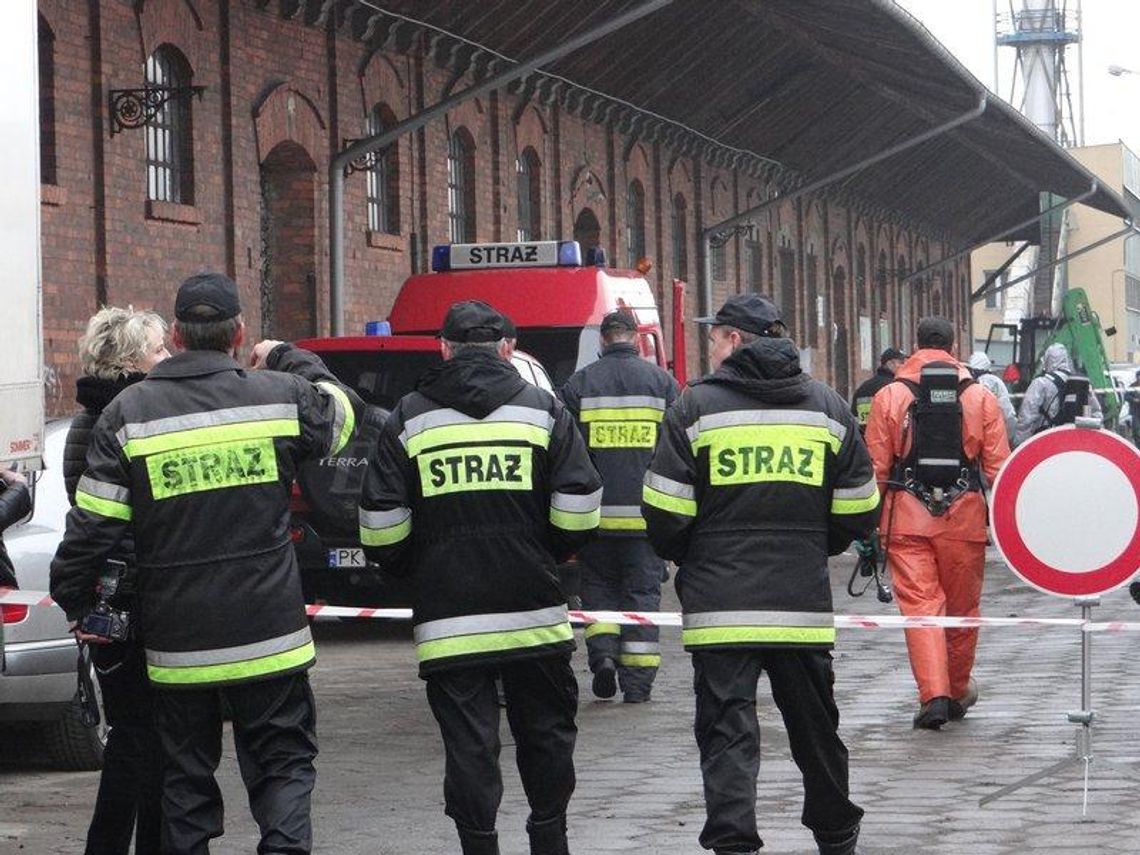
pixel 272 80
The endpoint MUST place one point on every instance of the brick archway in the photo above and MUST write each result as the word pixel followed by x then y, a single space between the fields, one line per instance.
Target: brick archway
pixel 288 243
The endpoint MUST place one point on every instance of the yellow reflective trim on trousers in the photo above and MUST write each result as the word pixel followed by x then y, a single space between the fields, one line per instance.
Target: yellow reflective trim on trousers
pixel 594 629
pixel 348 425
pixel 385 536
pixel 622 414
pixel 570 521
pixel 103 507
pixel 640 660
pixel 758 635
pixel 229 671
pixel 271 428
pixel 478 432
pixel 672 504
pixel 493 642
pixel 855 506
pixel 622 524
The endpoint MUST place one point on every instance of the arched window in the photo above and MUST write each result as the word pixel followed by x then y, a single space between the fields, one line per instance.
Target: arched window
pixel 383 178
pixel 461 186
pixel 47 102
pixel 529 171
pixel 635 223
pixel 680 230
pixel 169 135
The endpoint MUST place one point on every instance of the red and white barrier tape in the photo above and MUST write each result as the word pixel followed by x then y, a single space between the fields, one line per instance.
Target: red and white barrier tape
pixel 581 616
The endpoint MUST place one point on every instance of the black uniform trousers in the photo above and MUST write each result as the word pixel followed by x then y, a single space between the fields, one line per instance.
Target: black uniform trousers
pixel 542 700
pixel 623 574
pixel 728 736
pixel 274 723
pixel 130 786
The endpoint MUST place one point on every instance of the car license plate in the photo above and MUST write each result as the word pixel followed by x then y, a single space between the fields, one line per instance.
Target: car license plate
pixel 346 558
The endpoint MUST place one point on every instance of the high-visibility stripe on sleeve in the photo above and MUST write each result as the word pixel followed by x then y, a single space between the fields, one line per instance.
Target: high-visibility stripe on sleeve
pixel 855 500
pixel 574 511
pixel 384 528
pixel 344 421
pixel 664 501
pixel 108 500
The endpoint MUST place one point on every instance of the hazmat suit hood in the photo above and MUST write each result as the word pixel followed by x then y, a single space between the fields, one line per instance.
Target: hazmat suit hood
pixel 1056 358
pixel 768 369
pixel 475 382
pixel 979 361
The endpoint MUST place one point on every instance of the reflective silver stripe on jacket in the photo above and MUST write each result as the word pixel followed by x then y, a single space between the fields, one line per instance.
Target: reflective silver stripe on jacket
pixel 733 418
pixel 103 490
pixel 384 519
pixel 621 510
pixel 668 486
pixel 640 647
pixel 863 491
pixel 700 620
pixel 447 417
pixel 498 622
pixel 212 418
pixel 576 503
pixel 619 402
pixel 225 655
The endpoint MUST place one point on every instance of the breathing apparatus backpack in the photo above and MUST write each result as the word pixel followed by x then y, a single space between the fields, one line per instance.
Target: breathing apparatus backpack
pixel 1072 397
pixel 935 469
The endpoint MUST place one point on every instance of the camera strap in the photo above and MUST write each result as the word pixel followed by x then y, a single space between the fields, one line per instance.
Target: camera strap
pixel 88 705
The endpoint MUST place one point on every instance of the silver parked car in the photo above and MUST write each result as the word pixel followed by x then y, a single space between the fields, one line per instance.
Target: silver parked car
pixel 38 677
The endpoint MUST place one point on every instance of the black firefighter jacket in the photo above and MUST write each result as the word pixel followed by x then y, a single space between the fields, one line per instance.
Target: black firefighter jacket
pixel 619 402
pixel 480 483
pixel 759 474
pixel 198 459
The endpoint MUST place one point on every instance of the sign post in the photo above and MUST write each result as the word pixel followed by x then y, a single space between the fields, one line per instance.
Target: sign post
pixel 1065 516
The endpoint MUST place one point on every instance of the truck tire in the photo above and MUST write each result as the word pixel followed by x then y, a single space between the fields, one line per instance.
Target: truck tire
pixel 71 745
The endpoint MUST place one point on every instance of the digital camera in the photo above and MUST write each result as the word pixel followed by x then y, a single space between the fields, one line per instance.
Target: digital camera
pixel 105 620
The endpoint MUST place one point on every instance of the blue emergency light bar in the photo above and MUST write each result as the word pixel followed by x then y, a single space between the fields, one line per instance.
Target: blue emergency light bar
pixel 481 256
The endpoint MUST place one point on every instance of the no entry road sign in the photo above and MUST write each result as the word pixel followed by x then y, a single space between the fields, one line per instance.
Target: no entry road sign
pixel 1065 511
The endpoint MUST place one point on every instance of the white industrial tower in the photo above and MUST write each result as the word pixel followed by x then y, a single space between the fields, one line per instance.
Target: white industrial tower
pixel 1041 32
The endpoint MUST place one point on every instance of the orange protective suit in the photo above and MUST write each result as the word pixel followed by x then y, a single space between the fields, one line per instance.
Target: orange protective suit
pixel 936 562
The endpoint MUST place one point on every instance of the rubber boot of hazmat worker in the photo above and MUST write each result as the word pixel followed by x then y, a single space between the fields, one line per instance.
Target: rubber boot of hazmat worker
pixel 1049 400
pixel 479 485
pixel 618 402
pixel 758 475
pixel 933 521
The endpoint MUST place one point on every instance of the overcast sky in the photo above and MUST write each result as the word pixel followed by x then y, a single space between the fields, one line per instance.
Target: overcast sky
pixel 1111 37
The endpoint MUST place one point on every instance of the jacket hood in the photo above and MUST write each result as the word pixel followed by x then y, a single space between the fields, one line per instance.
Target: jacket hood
pixel 95 393
pixel 912 369
pixel 767 369
pixel 475 382
pixel 979 361
pixel 1056 358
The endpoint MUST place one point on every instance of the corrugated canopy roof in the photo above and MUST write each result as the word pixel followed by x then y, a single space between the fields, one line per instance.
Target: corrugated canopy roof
pixel 815 85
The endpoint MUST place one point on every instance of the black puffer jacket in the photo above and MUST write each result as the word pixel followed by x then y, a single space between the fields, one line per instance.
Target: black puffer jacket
pixel 15 504
pixel 759 473
pixel 94 394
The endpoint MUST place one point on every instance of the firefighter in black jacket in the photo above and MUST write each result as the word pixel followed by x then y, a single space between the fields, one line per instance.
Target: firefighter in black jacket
pixel 889 362
pixel 479 485
pixel 199 459
pixel 759 474
pixel 619 402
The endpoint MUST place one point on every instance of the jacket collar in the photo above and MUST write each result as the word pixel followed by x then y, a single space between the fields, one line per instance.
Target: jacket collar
pixel 195 363
pixel 619 348
pixel 912 369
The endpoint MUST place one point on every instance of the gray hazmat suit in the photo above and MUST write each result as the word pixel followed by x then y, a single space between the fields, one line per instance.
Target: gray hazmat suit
pixel 1042 398
pixel 980 365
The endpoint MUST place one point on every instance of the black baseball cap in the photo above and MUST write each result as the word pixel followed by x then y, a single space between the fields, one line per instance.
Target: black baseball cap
pixel 749 312
pixel 207 297
pixel 889 354
pixel 472 321
pixel 509 328
pixel 618 319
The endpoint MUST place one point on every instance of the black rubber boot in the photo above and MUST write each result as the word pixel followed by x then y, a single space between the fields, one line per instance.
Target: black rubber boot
pixel 843 844
pixel 479 842
pixel 548 837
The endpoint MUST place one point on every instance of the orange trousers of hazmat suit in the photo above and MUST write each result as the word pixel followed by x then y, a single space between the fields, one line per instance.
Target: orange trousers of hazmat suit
pixel 936 562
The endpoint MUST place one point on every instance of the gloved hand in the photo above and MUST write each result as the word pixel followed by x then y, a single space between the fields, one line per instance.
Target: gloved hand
pixel 867 548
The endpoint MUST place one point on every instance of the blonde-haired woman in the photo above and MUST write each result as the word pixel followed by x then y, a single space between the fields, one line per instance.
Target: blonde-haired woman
pixel 118 349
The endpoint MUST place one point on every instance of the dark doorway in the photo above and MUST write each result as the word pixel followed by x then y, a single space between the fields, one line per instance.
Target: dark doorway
pixel 288 244
pixel 587 230
pixel 842 333
pixel 787 258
